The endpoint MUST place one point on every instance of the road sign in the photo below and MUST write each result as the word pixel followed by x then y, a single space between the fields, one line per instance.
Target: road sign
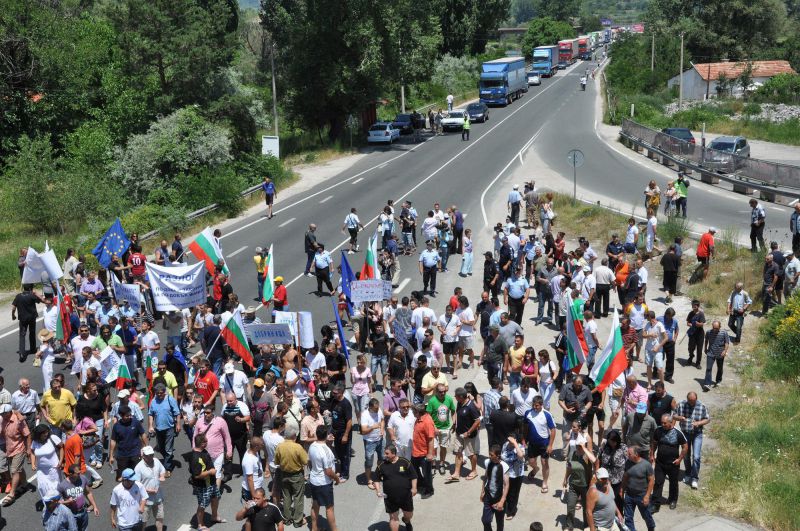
pixel 575 158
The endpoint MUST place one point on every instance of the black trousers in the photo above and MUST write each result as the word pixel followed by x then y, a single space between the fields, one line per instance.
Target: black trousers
pixel 342 452
pixel 666 471
pixel 671 281
pixel 512 498
pixel 28 327
pixel 757 234
pixel 324 275
pixel 422 466
pixel 710 365
pixel 515 309
pixel 429 278
pixel 796 244
pixel 669 354
pixel 458 241
pixel 493 290
pixel 601 300
pixel 515 213
pixel 696 345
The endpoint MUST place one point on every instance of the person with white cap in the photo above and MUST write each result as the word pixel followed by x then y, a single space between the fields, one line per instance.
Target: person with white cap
pixel 514 199
pixel 236 382
pixel 791 273
pixel 56 516
pixel 128 501
pixel 601 510
pixel 151 473
pixel 46 356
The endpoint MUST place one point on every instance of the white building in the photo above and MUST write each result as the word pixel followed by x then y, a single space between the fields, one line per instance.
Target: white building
pixel 700 81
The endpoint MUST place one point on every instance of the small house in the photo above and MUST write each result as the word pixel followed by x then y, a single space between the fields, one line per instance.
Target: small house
pixel 700 81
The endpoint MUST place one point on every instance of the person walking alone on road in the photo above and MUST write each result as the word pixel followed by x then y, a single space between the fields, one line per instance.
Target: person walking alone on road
pixel 310 246
pixel 758 218
pixel 465 127
pixel 738 304
pixel 450 99
pixel 794 229
pixel 322 269
pixel 24 309
pixel 396 483
pixel 353 225
pixel 514 201
pixel 268 188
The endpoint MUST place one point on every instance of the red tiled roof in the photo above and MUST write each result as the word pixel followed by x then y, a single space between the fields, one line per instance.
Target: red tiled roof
pixel 733 69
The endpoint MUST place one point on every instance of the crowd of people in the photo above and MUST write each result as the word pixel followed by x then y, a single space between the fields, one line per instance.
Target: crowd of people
pixel 292 417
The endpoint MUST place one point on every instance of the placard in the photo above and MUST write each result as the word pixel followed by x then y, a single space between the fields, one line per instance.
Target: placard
pixel 306 328
pixel 176 288
pixel 288 318
pixel 270 334
pixel 109 364
pixel 370 290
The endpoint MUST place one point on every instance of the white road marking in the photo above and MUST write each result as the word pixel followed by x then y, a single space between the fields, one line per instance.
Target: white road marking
pixel 402 285
pixel 358 180
pixel 237 251
pixel 383 165
pixel 326 199
pixel 287 222
pixel 185 527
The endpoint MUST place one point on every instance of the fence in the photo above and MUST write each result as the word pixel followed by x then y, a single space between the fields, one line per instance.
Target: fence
pixel 761 174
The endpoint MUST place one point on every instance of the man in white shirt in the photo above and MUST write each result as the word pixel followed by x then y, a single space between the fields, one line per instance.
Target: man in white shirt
pixel 652 226
pixel 421 311
pixel 450 99
pixel 655 336
pixel 466 334
pixel 322 477
pixel 148 340
pixel 372 431
pixel 236 382
pixel 643 276
pixel 401 428
pixel 522 397
pixel 128 501
pixel 82 364
pixel 252 469
pixel 151 473
pixel 83 339
pixel 631 236
pixel 590 334
pixel 50 313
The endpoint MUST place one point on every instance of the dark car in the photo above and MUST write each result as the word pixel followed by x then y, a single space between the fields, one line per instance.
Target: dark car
pixel 404 122
pixel 478 112
pixel 678 140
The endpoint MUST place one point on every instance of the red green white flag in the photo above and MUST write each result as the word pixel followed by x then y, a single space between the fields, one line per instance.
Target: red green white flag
pixel 269 278
pixel 123 375
pixel 612 361
pixel 206 248
pixel 370 269
pixel 63 327
pixel 235 336
pixel 577 349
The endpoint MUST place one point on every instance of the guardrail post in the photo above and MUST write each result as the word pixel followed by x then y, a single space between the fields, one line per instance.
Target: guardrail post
pixel 709 177
pixel 685 169
pixel 768 196
pixel 652 155
pixel 741 188
pixel 666 161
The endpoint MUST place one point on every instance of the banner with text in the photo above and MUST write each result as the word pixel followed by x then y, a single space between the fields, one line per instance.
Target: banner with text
pixel 127 292
pixel 289 319
pixel 109 364
pixel 270 334
pixel 175 288
pixel 370 290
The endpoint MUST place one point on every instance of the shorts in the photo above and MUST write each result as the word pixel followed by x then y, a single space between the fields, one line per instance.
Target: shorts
pixel 17 463
pixel 353 235
pixel 205 494
pixel 322 494
pixel 246 496
pixel 269 198
pixel 614 403
pixel 393 505
pixel 156 510
pixel 639 338
pixel 594 413
pixel 449 347
pixel 466 445
pixel 703 260
pixel 535 451
pixel 442 438
pixel 655 358
pixel 219 461
pixel 779 284
pixel 466 342
pixel 370 449
pixel 3 462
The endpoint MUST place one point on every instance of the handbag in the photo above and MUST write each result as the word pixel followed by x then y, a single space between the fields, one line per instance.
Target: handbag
pixel 551 214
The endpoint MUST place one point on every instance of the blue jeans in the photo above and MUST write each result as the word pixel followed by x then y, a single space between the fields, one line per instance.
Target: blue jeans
pixel 408 239
pixel 216 366
pixel 466 264
pixel 631 504
pixel 444 252
pixel 592 352
pixel 691 460
pixel 166 445
pixel 81 520
pixel 548 298
pixel 514 379
pixel 97 451
pixel 370 449
pixel 260 285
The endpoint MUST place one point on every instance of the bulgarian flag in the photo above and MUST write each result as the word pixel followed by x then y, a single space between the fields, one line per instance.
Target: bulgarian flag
pixel 612 361
pixel 577 350
pixel 206 248
pixel 150 362
pixel 63 327
pixel 123 375
pixel 370 269
pixel 235 336
pixel 269 279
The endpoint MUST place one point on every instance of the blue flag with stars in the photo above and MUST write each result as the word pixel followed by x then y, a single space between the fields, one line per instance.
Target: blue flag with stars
pixel 113 242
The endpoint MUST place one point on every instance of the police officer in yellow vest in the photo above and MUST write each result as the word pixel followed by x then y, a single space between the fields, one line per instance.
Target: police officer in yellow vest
pixel 465 129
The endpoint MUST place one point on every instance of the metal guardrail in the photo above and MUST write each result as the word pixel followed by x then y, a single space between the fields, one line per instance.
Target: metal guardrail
pixel 197 213
pixel 766 176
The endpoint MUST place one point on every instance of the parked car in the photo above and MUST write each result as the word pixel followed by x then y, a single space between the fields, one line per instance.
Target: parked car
pixel 383 132
pixel 534 79
pixel 727 153
pixel 478 112
pixel 404 123
pixel 678 140
pixel 453 121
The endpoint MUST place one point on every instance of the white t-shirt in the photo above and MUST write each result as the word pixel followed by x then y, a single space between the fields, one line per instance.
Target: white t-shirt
pixel 643 274
pixel 449 325
pixel 149 341
pixel 320 457
pixel 127 503
pixel 656 329
pixel 368 420
pixel 51 318
pixel 82 366
pixel 429 229
pixel 632 234
pixel 421 312
pixel 299 388
pixel 149 478
pixel 251 466
pixel 589 328
pixel 450 98
pixel 523 403
pixel 466 314
pixel 236 383
pixel 271 442
pixel 317 362
pixel 652 223
pixel 428 355
pixel 77 344
pixel 403 427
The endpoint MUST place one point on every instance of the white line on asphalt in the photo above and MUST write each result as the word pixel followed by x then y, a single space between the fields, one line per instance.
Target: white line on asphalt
pixel 383 165
pixel 326 199
pixel 443 166
pixel 185 527
pixel 237 251
pixel 287 222
pixel 402 285
pixel 358 180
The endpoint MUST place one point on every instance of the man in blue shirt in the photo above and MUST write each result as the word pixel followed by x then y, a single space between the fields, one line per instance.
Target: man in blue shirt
pixel 515 294
pixel 269 194
pixel 428 264
pixel 322 268
pixel 514 199
pixel 165 423
pixel 671 327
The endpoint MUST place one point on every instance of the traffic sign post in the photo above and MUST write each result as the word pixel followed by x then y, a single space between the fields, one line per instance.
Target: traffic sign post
pixel 575 159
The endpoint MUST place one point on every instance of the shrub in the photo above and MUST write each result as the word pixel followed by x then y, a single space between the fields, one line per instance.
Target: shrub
pixel 783 359
pixel 783 88
pixel 455 74
pixel 208 186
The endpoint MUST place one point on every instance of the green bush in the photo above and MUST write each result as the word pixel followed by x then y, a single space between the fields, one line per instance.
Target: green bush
pixel 752 109
pixel 783 349
pixel 783 88
pixel 208 186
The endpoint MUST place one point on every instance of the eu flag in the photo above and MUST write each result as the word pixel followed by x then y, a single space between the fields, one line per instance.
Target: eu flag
pixel 340 331
pixel 114 241
pixel 347 277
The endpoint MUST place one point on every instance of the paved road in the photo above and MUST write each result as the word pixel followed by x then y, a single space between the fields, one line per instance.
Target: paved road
pixel 552 118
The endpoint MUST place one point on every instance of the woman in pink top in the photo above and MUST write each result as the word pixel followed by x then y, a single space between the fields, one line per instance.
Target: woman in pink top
pixel 219 439
pixel 529 365
pixel 361 380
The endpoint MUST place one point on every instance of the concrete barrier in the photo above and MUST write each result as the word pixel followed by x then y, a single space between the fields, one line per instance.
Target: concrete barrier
pixel 742 188
pixel 709 177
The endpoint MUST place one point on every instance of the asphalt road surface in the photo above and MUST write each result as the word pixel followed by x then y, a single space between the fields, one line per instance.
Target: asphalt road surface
pixel 551 119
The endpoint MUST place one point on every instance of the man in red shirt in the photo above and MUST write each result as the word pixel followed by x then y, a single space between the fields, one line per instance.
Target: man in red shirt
pixel 705 250
pixel 280 299
pixel 422 450
pixel 206 384
pixel 136 262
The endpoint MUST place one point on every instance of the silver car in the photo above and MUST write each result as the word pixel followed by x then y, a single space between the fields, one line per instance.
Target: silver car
pixel 727 153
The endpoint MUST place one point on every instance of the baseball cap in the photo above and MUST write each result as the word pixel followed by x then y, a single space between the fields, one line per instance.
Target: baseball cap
pixel 148 450
pixel 130 475
pixel 586 269
pixel 601 473
pixel 712 229
pixel 124 394
pixel 259 249
pixel 229 368
pixel 258 382
pixel 279 279
pixel 52 495
pixel 641 407
pixel 516 187
pixel 787 254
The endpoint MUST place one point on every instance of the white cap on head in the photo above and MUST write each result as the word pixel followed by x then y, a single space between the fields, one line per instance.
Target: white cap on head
pixel 712 229
pixel 148 450
pixel 601 473
pixel 229 368
pixel 516 187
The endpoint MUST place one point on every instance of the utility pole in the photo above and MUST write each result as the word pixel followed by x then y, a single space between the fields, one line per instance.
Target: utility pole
pixel 653 53
pixel 402 97
pixel 274 88
pixel 680 89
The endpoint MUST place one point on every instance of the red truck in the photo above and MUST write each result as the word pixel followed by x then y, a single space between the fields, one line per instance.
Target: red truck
pixel 584 47
pixel 567 52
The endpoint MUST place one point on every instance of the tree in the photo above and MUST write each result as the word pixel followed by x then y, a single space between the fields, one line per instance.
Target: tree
pixel 591 23
pixel 543 31
pixel 490 14
pixel 562 10
pixel 745 78
pixel 724 85
pixel 522 10
pixel 459 22
pixel 629 71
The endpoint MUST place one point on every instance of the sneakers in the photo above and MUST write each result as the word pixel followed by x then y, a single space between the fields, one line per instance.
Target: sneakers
pixel 350 252
pixel 694 484
pixel 96 483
